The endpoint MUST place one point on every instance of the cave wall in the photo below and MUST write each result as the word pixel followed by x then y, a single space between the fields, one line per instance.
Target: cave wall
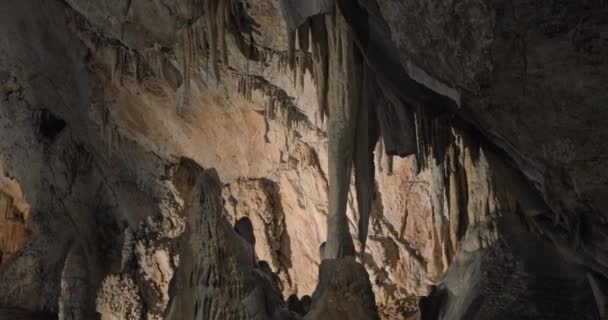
pixel 101 101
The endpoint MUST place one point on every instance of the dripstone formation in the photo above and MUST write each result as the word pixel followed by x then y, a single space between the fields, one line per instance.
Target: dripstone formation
pixel 291 159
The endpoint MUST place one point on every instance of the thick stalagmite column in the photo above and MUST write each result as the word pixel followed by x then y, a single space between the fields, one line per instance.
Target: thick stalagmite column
pixel 346 92
pixel 345 65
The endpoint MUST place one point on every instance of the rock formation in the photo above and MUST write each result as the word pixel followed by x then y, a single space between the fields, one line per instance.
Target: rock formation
pixel 291 159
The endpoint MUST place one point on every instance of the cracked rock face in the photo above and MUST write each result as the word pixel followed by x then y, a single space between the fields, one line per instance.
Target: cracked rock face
pixel 192 159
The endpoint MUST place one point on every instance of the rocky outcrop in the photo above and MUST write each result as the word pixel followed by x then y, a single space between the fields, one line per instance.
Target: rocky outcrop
pixel 519 276
pixel 507 76
pixel 344 292
pixel 218 276
pixel 118 297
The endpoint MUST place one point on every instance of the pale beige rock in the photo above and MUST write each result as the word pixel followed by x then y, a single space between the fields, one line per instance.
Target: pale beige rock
pixel 260 127
pixel 344 292
pixel 156 272
pixel 119 298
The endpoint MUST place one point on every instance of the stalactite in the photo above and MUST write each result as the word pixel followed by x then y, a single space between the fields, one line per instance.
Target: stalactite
pixel 194 38
pixel 206 37
pixel 278 105
pixel 155 62
pixel 246 85
pixel 422 140
pixel 420 159
pixel 433 136
pixel 235 12
pixel 304 44
pixel 187 56
pixel 110 132
pixel 291 49
pixel 263 54
pixel 142 66
pixel 342 93
pixel 367 136
pixel 213 26
pixel 250 52
pixel 320 61
pixel 211 34
pixel 223 14
pixel 338 70
pixel 106 127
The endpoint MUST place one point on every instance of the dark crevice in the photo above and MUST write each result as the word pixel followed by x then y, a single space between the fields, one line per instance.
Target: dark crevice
pixel 48 125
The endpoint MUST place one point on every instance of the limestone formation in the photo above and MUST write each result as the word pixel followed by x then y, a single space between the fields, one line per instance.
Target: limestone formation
pixel 218 278
pixel 74 302
pixel 15 217
pixel 344 292
pixel 222 159
pixel 346 93
pixel 119 298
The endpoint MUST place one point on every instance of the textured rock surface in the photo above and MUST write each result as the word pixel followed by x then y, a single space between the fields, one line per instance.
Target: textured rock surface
pixel 14 220
pixel 218 276
pixel 344 292
pixel 100 216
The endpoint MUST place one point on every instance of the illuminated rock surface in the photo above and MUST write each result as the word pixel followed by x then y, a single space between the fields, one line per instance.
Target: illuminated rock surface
pixel 188 159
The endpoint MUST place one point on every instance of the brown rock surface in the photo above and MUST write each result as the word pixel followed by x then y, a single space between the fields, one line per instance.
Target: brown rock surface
pixel 15 217
pixel 101 102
